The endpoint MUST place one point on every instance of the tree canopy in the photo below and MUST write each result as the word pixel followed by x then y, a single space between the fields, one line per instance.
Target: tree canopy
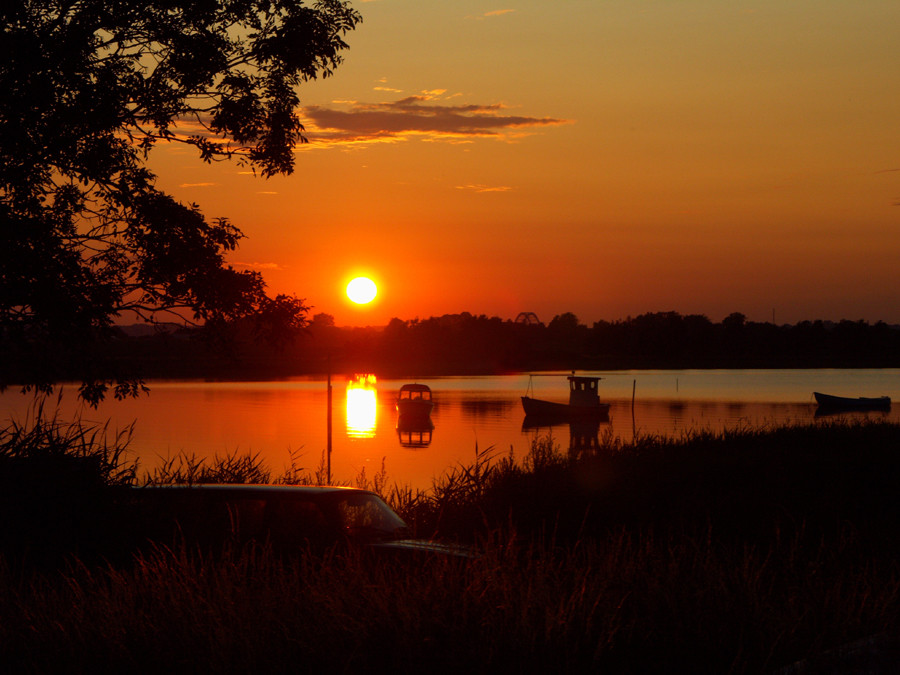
pixel 88 88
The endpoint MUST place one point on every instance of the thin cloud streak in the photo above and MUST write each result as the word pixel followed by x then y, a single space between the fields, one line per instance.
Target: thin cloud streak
pixel 416 115
pixel 484 188
pixel 258 265
pixel 490 14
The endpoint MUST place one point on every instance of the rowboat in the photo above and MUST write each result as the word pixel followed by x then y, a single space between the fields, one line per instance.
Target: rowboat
pixel 584 402
pixel 830 402
pixel 414 402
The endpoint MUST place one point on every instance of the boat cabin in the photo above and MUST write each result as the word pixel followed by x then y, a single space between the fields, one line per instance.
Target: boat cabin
pixel 414 402
pixel 414 392
pixel 583 391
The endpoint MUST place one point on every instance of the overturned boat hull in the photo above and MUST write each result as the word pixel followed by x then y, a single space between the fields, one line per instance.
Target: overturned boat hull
pixel 829 402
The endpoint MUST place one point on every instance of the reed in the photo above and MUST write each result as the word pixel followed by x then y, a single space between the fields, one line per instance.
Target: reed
pixel 632 602
pixel 187 468
pixel 739 551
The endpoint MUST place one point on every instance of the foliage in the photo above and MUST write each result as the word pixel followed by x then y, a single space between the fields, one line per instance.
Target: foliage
pixel 89 87
pixel 468 344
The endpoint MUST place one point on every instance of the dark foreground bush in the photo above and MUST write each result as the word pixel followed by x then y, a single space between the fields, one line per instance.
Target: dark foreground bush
pixel 57 485
pixel 744 485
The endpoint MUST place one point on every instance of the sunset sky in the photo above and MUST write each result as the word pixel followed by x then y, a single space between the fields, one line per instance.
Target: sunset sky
pixel 601 157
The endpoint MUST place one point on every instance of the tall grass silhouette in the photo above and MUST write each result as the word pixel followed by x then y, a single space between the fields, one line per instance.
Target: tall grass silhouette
pixel 739 551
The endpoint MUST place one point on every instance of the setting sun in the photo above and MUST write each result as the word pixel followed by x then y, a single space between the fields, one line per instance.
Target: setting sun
pixel 362 290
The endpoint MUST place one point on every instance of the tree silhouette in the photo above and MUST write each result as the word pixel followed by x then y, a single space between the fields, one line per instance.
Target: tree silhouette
pixel 88 88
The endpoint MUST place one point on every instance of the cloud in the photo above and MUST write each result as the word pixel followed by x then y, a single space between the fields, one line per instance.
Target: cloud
pixel 382 86
pixel 492 13
pixel 418 116
pixel 257 265
pixel 484 188
pixel 195 185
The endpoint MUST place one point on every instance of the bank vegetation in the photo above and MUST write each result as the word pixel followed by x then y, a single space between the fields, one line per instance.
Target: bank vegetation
pixel 742 551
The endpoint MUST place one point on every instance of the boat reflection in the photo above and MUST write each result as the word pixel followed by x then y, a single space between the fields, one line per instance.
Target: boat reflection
pixel 584 434
pixel 415 433
pixel 829 412
pixel 584 437
pixel 362 407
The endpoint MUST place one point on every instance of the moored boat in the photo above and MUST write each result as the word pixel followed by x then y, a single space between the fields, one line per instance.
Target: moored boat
pixel 847 403
pixel 584 402
pixel 414 402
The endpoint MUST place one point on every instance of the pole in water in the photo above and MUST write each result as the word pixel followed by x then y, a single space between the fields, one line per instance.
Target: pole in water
pixel 633 423
pixel 328 469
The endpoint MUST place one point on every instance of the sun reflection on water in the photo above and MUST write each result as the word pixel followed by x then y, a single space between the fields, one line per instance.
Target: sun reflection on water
pixel 361 407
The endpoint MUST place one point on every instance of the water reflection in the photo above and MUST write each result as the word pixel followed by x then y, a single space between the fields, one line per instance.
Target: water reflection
pixel 584 434
pixel 480 408
pixel 362 407
pixel 281 418
pixel 415 433
pixel 584 437
pixel 849 414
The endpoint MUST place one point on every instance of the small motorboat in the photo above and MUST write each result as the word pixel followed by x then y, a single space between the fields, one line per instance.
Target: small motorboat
pixel 837 403
pixel 414 403
pixel 584 402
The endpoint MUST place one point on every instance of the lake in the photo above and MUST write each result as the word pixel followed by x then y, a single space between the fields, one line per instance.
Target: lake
pixel 285 421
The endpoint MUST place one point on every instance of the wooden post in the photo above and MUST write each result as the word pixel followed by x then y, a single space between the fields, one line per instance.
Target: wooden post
pixel 633 423
pixel 328 470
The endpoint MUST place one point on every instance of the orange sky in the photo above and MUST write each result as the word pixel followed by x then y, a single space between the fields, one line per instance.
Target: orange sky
pixel 604 158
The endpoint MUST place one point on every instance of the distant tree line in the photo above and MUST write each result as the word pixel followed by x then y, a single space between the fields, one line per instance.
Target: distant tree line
pixel 467 344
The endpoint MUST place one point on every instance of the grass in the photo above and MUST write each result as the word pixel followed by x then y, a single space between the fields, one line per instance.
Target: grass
pixel 630 603
pixel 741 551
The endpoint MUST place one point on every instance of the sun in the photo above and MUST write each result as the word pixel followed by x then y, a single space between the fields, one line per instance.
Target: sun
pixel 362 290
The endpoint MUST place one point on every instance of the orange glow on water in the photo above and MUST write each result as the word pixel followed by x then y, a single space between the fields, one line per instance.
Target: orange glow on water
pixel 362 407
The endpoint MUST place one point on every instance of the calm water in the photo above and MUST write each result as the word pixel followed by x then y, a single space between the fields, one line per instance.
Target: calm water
pixel 285 421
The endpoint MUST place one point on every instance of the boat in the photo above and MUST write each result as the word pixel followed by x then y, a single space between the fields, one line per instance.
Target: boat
pixel 584 402
pixel 829 402
pixel 414 402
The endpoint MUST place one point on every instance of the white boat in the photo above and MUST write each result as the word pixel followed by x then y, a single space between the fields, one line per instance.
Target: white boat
pixel 414 402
